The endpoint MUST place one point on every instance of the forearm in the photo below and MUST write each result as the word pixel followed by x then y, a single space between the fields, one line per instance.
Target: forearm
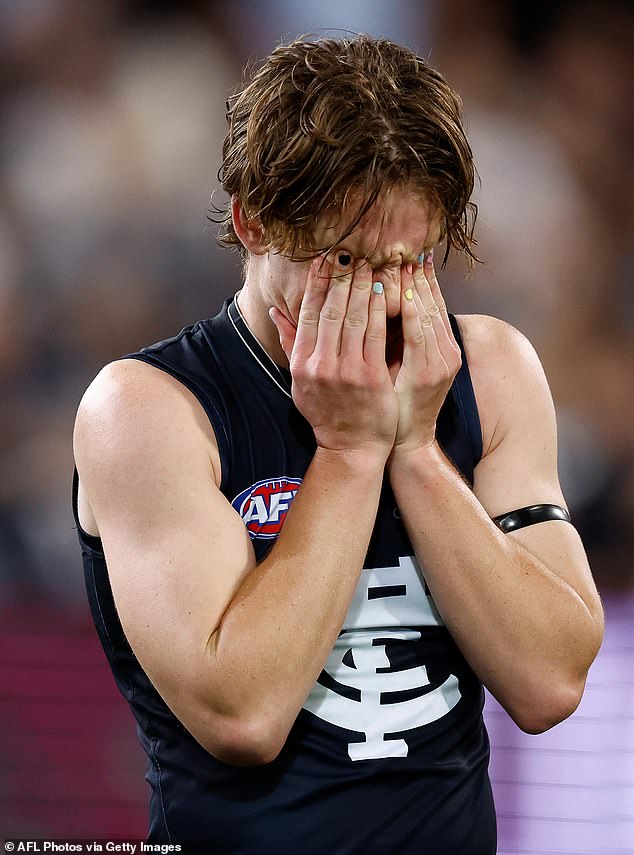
pixel 283 621
pixel 525 632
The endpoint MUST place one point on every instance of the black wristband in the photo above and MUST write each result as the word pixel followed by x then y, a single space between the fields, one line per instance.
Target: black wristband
pixel 529 516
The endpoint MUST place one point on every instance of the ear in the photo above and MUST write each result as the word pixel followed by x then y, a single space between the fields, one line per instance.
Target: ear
pixel 250 232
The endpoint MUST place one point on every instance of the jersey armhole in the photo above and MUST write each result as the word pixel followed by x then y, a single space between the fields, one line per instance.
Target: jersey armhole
pixel 466 398
pixel 92 541
pixel 208 405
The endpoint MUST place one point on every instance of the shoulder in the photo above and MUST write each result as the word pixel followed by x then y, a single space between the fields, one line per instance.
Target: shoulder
pixel 129 394
pixel 133 410
pixel 486 339
pixel 508 378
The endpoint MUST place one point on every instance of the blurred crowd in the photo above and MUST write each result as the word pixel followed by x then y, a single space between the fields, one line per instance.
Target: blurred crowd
pixel 111 126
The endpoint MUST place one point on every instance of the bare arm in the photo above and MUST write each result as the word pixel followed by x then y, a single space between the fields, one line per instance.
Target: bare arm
pixel 234 648
pixel 522 607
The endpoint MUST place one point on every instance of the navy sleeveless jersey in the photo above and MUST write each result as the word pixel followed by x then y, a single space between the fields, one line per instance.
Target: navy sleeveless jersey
pixel 389 753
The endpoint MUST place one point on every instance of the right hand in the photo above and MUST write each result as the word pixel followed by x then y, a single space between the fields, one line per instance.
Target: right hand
pixel 341 382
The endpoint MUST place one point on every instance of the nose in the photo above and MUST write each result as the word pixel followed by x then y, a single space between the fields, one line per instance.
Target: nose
pixel 389 272
pixel 390 276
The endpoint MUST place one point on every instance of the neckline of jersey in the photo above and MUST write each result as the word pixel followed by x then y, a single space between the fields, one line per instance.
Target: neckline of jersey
pixel 278 375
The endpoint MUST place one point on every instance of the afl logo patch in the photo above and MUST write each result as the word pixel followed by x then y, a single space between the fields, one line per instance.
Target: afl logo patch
pixel 263 506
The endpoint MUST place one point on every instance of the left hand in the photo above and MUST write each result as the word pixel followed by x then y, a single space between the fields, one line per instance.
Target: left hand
pixel 431 357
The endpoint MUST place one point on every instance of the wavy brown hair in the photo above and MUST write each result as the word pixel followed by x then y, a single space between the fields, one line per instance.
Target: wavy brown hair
pixel 323 119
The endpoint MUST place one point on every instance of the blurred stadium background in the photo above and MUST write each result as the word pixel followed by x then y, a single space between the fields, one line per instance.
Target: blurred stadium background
pixel 111 122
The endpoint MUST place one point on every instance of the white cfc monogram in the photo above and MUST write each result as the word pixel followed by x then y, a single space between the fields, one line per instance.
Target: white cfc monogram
pixel 385 597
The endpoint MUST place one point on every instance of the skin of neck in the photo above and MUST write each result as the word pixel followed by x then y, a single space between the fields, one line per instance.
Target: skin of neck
pixel 267 284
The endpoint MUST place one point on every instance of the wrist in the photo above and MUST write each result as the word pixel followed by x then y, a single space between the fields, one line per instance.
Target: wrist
pixel 368 461
pixel 425 459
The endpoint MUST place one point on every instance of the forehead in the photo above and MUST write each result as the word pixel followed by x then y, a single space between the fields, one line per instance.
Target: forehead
pixel 398 226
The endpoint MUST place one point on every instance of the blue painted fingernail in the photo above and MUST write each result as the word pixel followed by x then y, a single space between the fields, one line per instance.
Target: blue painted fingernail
pixel 378 287
pixel 421 258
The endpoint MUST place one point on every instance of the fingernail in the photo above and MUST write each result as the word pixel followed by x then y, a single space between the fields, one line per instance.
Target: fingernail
pixel 409 294
pixel 430 257
pixel 421 258
pixel 378 287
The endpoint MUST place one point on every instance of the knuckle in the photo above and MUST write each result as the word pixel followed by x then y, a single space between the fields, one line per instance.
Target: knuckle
pixel 439 376
pixel 326 371
pixel 425 379
pixel 373 334
pixel 320 282
pixel 361 283
pixel 375 382
pixel 308 317
pixel 298 370
pixel 319 369
pixel 342 276
pixel 455 354
pixel 348 376
pixel 331 313
pixel 355 320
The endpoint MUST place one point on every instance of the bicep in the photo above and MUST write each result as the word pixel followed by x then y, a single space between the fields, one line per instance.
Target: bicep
pixel 176 554
pixel 519 463
pixel 519 466
pixel 521 470
pixel 176 550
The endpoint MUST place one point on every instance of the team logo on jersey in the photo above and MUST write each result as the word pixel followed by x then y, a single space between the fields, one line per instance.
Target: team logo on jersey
pixel 263 506
pixel 359 689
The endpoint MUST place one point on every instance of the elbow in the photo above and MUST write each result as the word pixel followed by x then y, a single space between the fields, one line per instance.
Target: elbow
pixel 545 711
pixel 241 742
pixel 539 709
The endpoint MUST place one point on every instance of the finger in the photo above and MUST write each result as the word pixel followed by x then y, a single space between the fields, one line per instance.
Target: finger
pixel 427 262
pixel 285 329
pixel 450 348
pixel 334 308
pixel 438 319
pixel 444 354
pixel 413 333
pixel 312 303
pixel 355 322
pixel 427 341
pixel 376 332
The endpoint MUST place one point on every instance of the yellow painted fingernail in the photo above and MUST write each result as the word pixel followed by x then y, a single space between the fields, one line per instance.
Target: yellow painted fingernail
pixel 409 294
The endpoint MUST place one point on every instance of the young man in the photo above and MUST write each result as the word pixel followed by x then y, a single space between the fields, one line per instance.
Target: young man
pixel 331 513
